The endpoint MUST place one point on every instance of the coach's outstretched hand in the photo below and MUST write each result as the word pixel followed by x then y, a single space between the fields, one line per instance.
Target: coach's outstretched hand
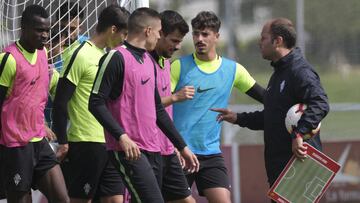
pixel 191 162
pixel 132 151
pixel 225 115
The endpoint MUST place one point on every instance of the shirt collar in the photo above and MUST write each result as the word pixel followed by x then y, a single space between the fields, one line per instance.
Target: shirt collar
pixel 137 52
pixel 283 62
pixel 160 60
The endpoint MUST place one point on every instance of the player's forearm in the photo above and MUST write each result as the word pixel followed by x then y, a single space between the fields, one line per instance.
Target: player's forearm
pixel 102 114
pixel 64 93
pixel 3 91
pixel 167 101
pixel 166 125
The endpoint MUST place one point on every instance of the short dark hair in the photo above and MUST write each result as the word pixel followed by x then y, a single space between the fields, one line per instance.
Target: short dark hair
pixel 172 21
pixel 70 10
pixel 206 19
pixel 55 35
pixel 112 15
pixel 284 28
pixel 30 12
pixel 139 19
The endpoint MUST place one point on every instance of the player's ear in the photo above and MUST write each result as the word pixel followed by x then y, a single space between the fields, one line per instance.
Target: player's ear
pixel 114 29
pixel 148 30
pixel 278 41
pixel 217 36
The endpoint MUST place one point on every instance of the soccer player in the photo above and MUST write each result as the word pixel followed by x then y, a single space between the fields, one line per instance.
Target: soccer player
pixel 213 77
pixel 293 81
pixel 87 168
pixel 173 29
pixel 24 85
pixel 65 39
pixel 69 16
pixel 126 102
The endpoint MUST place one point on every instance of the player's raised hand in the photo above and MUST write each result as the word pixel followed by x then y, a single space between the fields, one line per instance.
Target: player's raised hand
pixel 298 148
pixel 185 93
pixel 132 151
pixel 191 162
pixel 225 115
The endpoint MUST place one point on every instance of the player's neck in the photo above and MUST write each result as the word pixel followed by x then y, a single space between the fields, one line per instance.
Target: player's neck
pixel 210 56
pixel 26 46
pixel 281 52
pixel 136 42
pixel 99 40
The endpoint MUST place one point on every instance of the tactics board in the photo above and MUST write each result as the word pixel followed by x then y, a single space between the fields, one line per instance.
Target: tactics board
pixel 304 182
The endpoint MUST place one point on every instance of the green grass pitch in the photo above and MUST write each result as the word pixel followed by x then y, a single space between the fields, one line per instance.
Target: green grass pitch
pixel 305 185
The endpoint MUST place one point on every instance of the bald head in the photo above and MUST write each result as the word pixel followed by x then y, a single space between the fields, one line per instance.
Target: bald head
pixel 282 27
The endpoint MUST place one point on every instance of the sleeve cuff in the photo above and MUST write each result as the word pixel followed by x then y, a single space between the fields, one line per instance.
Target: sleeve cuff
pixel 240 119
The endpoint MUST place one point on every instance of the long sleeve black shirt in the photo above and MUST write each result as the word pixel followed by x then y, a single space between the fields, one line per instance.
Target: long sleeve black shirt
pixel 111 88
pixel 293 81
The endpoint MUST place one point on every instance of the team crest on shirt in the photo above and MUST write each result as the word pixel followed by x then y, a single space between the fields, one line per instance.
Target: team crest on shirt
pixel 17 179
pixel 87 188
pixel 282 85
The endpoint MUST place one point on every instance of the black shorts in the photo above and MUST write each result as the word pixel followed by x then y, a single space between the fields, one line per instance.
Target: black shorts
pixel 26 165
pixel 141 177
pixel 212 173
pixel 89 172
pixel 174 183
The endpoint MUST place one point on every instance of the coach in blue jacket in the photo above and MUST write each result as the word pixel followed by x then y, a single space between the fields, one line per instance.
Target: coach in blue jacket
pixel 293 81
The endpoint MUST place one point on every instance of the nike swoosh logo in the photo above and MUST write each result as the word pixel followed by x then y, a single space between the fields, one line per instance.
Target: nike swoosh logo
pixel 34 80
pixel 199 90
pixel 143 82
pixel 164 88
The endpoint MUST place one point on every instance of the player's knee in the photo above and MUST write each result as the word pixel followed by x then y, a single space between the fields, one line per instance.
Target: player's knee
pixel 188 199
pixel 217 195
pixel 61 199
pixel 113 199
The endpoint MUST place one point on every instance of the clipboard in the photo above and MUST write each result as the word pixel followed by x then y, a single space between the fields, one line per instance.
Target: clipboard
pixel 304 182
